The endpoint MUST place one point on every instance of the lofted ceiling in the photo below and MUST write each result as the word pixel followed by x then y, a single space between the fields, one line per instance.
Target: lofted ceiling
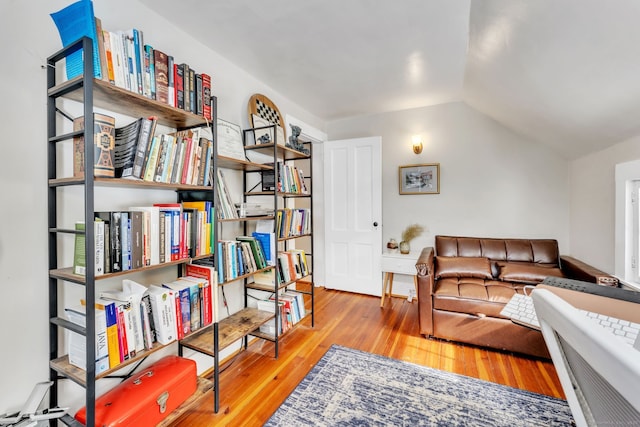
pixel 565 73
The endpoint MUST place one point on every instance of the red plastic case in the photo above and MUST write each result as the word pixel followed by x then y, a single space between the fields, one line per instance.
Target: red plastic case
pixel 147 397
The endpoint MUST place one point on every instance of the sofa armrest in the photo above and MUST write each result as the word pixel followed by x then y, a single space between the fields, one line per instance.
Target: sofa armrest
pixel 425 271
pixel 576 269
pixel 424 264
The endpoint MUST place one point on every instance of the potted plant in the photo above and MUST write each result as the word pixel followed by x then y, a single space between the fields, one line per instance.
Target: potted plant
pixel 409 233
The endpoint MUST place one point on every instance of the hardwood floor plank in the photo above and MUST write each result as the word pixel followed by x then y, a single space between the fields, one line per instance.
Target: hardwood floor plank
pixel 255 383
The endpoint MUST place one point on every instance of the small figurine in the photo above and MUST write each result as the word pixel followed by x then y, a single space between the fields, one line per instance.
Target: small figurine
pixel 293 140
pixel 264 139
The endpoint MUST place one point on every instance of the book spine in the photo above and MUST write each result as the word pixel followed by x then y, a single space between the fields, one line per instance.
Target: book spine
pixel 98 232
pixel 109 57
pixel 112 335
pixel 178 82
pixel 198 94
pixel 162 78
pixel 171 93
pixel 206 96
pixel 148 51
pixel 139 59
pixel 186 87
pixel 192 91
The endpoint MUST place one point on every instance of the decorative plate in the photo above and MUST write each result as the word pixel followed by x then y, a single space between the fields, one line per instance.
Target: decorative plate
pixel 264 108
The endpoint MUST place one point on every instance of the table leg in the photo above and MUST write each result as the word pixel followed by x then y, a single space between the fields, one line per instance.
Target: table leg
pixel 387 282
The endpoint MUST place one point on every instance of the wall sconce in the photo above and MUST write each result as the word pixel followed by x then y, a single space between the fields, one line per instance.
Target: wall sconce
pixel 417 144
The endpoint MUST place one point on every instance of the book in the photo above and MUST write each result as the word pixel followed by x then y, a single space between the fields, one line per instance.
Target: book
pixel 143 144
pixel 79 252
pixel 152 159
pixel 209 291
pixel 149 325
pixel 103 150
pixel 171 95
pixel 206 96
pixel 183 290
pixel 99 246
pixel 199 95
pixel 192 90
pixel 175 227
pixel 161 63
pixel 128 301
pixel 108 53
pixel 125 148
pixel 162 302
pixel 77 345
pixel 178 84
pixel 138 46
pixel 150 70
pixel 186 86
pixel 151 233
pixel 125 241
pixel 73 22
pixel 136 238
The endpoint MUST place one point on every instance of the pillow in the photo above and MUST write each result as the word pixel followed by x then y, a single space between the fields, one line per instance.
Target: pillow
pixel 463 267
pixel 530 274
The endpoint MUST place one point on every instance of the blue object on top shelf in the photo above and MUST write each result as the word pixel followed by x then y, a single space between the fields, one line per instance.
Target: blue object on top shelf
pixel 74 22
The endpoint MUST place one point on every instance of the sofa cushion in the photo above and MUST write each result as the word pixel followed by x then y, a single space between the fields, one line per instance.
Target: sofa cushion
pixel 463 267
pixel 478 297
pixel 526 273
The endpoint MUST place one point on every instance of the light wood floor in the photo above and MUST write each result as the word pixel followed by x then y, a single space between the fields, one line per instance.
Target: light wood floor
pixel 255 383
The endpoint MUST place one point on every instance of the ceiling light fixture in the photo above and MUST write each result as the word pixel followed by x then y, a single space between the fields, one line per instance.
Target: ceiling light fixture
pixel 417 144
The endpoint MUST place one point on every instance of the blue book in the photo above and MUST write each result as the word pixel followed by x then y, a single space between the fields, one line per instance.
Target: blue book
pixel 73 22
pixel 137 39
pixel 267 241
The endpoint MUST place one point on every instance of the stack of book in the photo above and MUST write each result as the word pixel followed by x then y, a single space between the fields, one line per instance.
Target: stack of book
pixel 147 235
pixel 136 318
pixel 239 257
pixel 291 310
pixel 291 179
pixel 127 62
pixel 293 222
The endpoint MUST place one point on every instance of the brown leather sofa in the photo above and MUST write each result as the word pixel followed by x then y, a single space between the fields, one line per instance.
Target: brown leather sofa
pixel 464 282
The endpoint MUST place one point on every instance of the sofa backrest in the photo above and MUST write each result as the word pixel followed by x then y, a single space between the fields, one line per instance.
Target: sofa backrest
pixel 543 252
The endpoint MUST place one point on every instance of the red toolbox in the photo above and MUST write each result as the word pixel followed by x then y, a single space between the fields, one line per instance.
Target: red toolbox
pixel 147 397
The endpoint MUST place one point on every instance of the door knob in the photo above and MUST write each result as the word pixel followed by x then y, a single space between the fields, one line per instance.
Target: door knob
pixel 375 224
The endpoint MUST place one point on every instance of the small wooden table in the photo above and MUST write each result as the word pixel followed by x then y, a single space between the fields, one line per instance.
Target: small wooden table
pixel 401 264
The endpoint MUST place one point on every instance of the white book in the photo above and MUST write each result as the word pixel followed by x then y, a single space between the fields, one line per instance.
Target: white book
pixel 153 234
pixel 163 302
pixel 77 349
pixel 98 233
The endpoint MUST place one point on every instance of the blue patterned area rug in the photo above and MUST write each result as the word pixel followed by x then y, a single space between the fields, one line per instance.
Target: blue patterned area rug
pixel 353 388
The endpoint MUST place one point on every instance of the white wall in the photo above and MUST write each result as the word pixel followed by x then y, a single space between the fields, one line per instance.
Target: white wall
pixel 494 183
pixel 592 186
pixel 27 37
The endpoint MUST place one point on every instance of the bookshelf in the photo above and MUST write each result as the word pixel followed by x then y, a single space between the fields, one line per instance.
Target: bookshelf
pixel 96 94
pixel 291 188
pixel 247 321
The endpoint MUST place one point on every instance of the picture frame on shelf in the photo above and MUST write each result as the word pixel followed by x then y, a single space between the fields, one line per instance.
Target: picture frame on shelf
pixel 230 140
pixel 419 179
pixel 267 134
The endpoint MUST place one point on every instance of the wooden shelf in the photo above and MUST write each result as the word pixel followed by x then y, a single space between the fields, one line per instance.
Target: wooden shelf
pixel 286 152
pixel 130 183
pixel 269 288
pixel 79 376
pixel 67 274
pixel 113 98
pixel 230 330
pixel 281 239
pixel 246 165
pixel 247 218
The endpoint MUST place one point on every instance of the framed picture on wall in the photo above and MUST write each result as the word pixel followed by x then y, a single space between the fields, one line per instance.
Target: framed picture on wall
pixel 419 179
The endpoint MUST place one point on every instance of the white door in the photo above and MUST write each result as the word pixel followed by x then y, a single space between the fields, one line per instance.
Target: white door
pixel 353 214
